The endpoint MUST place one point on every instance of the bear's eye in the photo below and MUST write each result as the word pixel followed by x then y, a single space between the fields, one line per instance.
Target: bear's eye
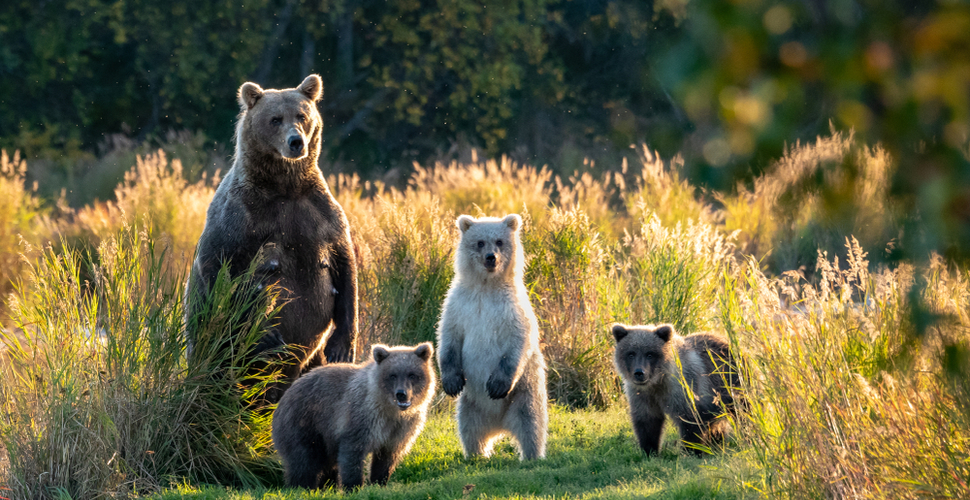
pixel 650 355
pixel 277 120
pixel 412 377
pixel 393 378
pixel 301 118
pixel 481 244
pixel 498 243
pixel 631 355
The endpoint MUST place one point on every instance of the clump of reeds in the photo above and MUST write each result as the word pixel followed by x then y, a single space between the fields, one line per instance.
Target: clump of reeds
pixel 812 198
pixel 22 219
pixel 154 193
pixel 847 398
pixel 97 397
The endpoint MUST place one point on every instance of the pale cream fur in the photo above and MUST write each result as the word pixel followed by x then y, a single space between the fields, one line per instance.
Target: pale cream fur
pixel 489 330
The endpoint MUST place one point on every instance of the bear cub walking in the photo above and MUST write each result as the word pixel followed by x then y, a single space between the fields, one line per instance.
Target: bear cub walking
pixel 488 342
pixel 335 415
pixel 646 358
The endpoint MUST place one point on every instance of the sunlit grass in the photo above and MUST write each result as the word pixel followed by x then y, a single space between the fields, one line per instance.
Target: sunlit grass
pixel 97 399
pixel 857 373
pixel 591 454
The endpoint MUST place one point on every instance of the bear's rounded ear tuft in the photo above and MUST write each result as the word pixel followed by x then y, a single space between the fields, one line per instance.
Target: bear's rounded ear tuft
pixel 380 352
pixel 249 93
pixel 312 87
pixel 424 350
pixel 619 331
pixel 514 221
pixel 664 332
pixel 464 222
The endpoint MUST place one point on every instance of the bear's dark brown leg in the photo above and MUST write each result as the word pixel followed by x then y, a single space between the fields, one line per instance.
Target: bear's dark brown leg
pixel 649 430
pixel 691 433
pixel 382 465
pixel 351 460
pixel 305 465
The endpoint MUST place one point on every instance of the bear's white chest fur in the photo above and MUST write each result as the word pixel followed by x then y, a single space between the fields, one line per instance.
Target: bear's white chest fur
pixel 493 319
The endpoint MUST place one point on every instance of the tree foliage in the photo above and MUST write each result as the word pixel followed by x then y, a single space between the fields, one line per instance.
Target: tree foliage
pixel 728 83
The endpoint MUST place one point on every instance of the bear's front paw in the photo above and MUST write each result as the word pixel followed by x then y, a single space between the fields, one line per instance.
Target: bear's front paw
pixel 337 354
pixel 498 386
pixel 270 342
pixel 453 384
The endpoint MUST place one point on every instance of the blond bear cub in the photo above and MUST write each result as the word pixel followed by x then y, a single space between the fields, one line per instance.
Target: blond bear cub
pixel 488 342
pixel 647 359
pixel 336 415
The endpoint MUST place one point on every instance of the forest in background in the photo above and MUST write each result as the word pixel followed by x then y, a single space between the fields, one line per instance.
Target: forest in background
pixel 554 82
pixel 800 182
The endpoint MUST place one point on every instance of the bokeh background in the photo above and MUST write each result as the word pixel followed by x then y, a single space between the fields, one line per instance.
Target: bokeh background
pixel 794 175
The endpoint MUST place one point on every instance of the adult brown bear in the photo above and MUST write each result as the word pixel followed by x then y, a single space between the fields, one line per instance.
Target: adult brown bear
pixel 275 203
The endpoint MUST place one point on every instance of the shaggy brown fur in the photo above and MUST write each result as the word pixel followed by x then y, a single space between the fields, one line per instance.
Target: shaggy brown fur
pixel 336 415
pixel 647 359
pixel 275 202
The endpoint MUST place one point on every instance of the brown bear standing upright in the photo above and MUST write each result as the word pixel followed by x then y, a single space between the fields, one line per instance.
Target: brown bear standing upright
pixel 657 367
pixel 336 415
pixel 275 202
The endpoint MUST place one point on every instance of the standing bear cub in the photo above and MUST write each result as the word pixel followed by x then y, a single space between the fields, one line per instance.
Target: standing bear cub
pixel 274 203
pixel 336 415
pixel 488 342
pixel 651 359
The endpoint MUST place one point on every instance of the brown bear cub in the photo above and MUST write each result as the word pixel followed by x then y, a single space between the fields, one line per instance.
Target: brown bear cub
pixel 651 359
pixel 274 203
pixel 334 416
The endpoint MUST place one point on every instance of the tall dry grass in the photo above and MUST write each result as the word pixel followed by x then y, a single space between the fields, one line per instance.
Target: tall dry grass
pixel 847 399
pixel 97 400
pixel 154 193
pixel 813 197
pixel 857 374
pixel 23 222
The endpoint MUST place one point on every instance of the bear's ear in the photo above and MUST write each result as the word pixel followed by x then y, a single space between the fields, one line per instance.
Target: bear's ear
pixel 424 350
pixel 380 352
pixel 249 93
pixel 513 221
pixel 312 87
pixel 464 222
pixel 664 332
pixel 619 331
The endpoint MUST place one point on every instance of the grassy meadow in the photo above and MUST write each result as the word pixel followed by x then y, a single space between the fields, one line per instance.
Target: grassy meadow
pixel 858 364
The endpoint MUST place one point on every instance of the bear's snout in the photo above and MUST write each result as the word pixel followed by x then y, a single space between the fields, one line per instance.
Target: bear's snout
pixel 639 376
pixel 490 262
pixel 295 143
pixel 403 401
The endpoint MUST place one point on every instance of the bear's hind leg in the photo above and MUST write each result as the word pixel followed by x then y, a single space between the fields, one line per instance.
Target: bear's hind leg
pixel 476 428
pixel 692 434
pixel 528 421
pixel 309 468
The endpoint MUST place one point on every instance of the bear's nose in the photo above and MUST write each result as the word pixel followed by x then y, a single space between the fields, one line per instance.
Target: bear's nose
pixel 638 375
pixel 401 396
pixel 490 259
pixel 296 143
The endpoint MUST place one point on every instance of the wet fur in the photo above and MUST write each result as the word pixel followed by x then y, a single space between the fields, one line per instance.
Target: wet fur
pixel 488 342
pixel 708 369
pixel 334 416
pixel 275 203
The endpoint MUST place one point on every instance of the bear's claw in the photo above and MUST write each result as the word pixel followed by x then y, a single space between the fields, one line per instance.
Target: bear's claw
pixel 453 384
pixel 272 340
pixel 498 387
